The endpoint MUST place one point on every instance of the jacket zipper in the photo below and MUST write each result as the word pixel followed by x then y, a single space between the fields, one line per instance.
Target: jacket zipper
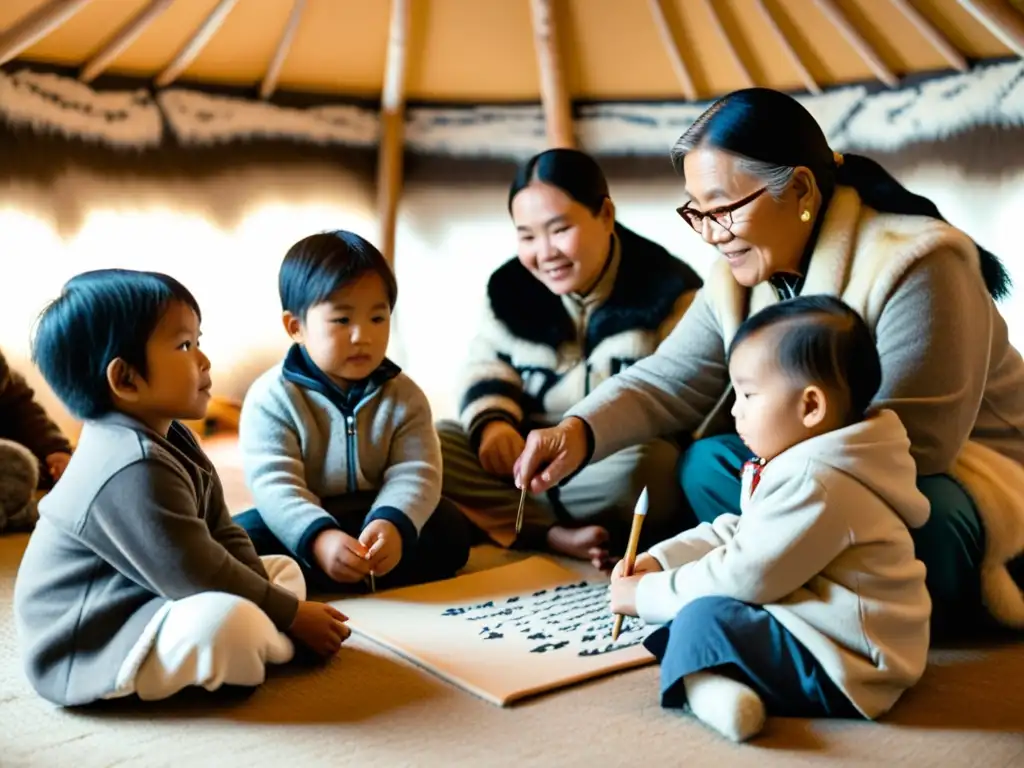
pixel 350 450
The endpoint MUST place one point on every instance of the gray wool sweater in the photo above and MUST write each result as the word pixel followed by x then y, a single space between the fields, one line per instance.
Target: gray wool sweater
pixel 305 441
pixel 136 520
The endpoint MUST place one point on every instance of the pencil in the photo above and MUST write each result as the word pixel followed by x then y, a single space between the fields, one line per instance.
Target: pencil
pixel 639 512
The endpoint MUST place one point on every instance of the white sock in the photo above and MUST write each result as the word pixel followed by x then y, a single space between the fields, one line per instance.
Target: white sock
pixel 729 707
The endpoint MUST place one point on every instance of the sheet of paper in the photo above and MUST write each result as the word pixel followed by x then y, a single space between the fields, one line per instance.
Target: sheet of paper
pixel 505 633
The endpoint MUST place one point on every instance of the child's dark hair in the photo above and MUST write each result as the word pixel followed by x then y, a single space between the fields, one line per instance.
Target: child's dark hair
pixel 100 316
pixel 821 340
pixel 318 265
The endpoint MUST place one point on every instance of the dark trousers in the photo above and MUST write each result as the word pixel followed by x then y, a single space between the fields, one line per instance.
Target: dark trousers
pixel 441 550
pixel 951 544
pixel 746 643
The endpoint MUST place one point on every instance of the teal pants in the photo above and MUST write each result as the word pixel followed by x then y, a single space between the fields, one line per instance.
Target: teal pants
pixel 950 544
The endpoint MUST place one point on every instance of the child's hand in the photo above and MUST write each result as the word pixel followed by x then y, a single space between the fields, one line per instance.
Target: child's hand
pixel 56 463
pixel 340 556
pixel 645 563
pixel 623 594
pixel 384 543
pixel 320 627
pixel 500 446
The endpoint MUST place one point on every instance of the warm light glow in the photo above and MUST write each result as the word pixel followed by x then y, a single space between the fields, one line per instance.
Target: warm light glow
pixel 449 240
pixel 233 274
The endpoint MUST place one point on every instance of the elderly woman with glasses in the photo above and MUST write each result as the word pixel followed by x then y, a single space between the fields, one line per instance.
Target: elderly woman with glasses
pixel 791 217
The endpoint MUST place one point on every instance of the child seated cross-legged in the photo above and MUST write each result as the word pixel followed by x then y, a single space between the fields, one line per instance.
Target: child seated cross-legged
pixel 812 603
pixel 338 445
pixel 136 580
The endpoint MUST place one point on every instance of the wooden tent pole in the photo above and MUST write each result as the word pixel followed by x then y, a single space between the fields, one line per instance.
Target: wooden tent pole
pixel 864 49
pixel 554 95
pixel 196 43
pixel 121 39
pixel 1002 19
pixel 392 124
pixel 281 52
pixel 805 74
pixel 672 49
pixel 734 54
pixel 932 34
pixel 34 26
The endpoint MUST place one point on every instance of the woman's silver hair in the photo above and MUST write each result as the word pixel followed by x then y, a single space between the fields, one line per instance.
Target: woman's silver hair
pixel 775 177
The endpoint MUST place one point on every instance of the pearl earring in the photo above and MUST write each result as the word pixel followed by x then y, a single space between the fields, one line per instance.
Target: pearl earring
pixel 805 216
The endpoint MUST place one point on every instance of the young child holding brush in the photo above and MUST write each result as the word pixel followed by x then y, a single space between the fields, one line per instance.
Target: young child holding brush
pixel 338 445
pixel 812 604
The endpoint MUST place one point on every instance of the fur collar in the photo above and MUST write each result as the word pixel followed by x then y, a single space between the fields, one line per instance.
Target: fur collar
pixel 648 283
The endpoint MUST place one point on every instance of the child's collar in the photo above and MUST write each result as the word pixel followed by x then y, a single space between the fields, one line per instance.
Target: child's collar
pixel 300 369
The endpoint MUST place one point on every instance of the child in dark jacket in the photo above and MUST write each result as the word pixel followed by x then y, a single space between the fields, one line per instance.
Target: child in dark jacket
pixel 33 451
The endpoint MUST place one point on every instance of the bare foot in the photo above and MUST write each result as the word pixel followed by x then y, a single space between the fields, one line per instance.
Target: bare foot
pixel 587 543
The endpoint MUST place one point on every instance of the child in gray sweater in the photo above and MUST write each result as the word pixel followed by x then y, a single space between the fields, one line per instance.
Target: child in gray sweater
pixel 339 447
pixel 136 580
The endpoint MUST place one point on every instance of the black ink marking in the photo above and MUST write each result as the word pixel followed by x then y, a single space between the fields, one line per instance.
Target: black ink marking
pixel 549 647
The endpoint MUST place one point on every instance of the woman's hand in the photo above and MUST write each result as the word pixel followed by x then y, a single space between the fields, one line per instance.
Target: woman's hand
pixel 500 445
pixel 551 454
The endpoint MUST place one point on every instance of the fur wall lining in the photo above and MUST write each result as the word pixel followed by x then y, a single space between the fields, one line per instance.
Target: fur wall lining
pixel 853 117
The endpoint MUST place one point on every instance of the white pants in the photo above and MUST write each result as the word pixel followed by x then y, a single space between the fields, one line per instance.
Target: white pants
pixel 209 640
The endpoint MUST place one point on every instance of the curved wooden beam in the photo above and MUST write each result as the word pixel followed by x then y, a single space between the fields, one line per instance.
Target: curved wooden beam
pixel 805 74
pixel 672 49
pixel 281 52
pixel 863 48
pixel 932 34
pixel 392 124
pixel 124 37
pixel 191 49
pixel 716 20
pixel 34 26
pixel 554 95
pixel 1001 19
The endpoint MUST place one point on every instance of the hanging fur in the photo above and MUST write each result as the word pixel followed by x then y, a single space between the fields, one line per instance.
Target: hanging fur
pixel 853 117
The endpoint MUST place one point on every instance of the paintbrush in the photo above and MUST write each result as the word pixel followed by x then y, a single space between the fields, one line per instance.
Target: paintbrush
pixel 629 560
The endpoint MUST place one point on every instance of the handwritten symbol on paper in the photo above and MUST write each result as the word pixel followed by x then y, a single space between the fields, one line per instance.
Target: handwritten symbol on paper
pixel 571 618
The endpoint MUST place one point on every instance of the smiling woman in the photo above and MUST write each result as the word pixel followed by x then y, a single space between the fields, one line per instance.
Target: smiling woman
pixel 585 298
pixel 841 226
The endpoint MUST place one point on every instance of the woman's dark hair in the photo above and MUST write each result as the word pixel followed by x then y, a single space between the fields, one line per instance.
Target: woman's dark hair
pixel 821 340
pixel 101 316
pixel 575 173
pixel 773 134
pixel 318 265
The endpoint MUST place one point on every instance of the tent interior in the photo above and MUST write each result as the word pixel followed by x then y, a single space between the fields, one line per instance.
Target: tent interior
pixel 202 138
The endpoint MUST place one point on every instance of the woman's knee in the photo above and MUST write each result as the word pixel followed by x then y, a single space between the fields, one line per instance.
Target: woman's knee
pixel 951 544
pixel 708 474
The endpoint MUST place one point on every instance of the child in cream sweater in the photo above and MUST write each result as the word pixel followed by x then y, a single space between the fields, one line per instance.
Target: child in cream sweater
pixel 812 603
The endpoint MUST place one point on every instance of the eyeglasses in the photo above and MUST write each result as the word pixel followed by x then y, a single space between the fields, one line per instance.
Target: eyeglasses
pixel 722 216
